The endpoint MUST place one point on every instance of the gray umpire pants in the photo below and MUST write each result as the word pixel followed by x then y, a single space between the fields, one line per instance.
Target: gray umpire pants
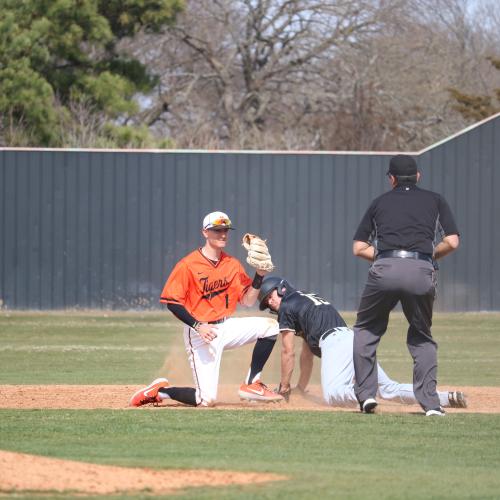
pixel 413 283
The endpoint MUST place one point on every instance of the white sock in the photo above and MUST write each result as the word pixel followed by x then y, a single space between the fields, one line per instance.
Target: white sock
pixel 247 380
pixel 163 395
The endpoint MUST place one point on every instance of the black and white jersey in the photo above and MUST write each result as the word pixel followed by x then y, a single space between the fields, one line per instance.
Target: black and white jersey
pixel 309 316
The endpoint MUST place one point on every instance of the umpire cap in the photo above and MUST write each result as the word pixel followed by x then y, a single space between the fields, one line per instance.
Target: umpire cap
pixel 269 284
pixel 402 166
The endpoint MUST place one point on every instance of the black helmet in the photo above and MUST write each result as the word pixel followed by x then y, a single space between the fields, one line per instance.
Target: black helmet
pixel 269 284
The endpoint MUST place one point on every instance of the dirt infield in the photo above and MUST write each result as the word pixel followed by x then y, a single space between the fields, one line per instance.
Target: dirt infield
pixel 481 399
pixel 53 474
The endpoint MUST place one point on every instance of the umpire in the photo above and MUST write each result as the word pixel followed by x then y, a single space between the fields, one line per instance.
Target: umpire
pixel 398 234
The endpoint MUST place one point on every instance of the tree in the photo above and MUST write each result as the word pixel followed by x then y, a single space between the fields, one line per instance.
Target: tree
pixel 232 70
pixel 331 74
pixel 477 107
pixel 57 52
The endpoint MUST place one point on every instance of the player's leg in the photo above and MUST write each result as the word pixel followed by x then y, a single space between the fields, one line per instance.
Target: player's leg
pixel 403 393
pixel 242 331
pixel 205 362
pixel 262 331
pixel 161 389
pixel 394 391
pixel 186 395
pixel 337 369
pixel 260 354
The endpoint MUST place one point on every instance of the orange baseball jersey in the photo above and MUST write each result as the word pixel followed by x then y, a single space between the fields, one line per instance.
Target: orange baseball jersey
pixel 208 291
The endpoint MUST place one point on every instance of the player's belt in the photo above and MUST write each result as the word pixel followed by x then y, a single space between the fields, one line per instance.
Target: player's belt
pixel 217 321
pixel 332 330
pixel 404 254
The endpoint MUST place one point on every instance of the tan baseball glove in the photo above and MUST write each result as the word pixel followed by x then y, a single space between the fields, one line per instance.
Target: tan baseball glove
pixel 258 253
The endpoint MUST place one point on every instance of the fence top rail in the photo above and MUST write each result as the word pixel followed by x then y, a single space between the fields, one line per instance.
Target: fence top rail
pixel 255 151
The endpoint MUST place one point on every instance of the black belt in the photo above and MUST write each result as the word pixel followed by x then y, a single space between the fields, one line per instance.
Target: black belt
pixel 216 322
pixel 404 254
pixel 333 330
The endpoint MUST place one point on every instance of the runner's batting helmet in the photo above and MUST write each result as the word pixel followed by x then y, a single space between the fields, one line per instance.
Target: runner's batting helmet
pixel 269 284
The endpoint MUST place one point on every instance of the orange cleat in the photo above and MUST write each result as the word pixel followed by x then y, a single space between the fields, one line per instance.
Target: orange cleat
pixel 258 391
pixel 149 394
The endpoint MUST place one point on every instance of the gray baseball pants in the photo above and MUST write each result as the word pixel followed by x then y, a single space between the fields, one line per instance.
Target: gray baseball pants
pixel 413 283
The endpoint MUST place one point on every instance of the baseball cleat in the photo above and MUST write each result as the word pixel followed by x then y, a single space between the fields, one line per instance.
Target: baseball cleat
pixel 258 391
pixel 437 412
pixel 457 399
pixel 368 405
pixel 149 394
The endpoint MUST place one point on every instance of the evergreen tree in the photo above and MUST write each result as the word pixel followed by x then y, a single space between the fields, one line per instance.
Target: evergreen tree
pixel 477 107
pixel 57 52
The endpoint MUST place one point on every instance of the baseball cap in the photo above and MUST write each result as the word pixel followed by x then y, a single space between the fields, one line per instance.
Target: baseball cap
pixel 217 219
pixel 402 165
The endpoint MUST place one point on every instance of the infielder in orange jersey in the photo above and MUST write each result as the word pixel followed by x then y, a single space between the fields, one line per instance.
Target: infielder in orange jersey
pixel 203 291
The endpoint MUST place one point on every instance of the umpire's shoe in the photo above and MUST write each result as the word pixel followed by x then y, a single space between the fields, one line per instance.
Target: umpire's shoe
pixel 436 412
pixel 149 394
pixel 457 399
pixel 368 405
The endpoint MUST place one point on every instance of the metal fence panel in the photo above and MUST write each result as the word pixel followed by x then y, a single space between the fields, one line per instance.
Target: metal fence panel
pixel 100 229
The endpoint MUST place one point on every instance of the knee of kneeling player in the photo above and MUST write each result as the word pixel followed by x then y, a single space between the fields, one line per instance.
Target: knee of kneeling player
pixel 207 403
pixel 271 330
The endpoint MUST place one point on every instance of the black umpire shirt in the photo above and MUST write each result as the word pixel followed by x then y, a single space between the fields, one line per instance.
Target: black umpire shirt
pixel 406 218
pixel 309 316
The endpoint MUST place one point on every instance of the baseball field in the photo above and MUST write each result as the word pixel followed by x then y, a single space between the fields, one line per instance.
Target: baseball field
pixel 66 430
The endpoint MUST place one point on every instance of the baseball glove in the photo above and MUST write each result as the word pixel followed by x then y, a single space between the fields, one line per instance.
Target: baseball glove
pixel 258 253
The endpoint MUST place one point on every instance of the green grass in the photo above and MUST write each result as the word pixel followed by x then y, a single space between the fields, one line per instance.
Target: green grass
pixel 325 454
pixel 83 348
pixel 341 455
pixel 129 348
pixel 468 348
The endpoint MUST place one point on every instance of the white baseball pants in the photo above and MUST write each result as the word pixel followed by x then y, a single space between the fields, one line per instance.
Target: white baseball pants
pixel 337 374
pixel 205 358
